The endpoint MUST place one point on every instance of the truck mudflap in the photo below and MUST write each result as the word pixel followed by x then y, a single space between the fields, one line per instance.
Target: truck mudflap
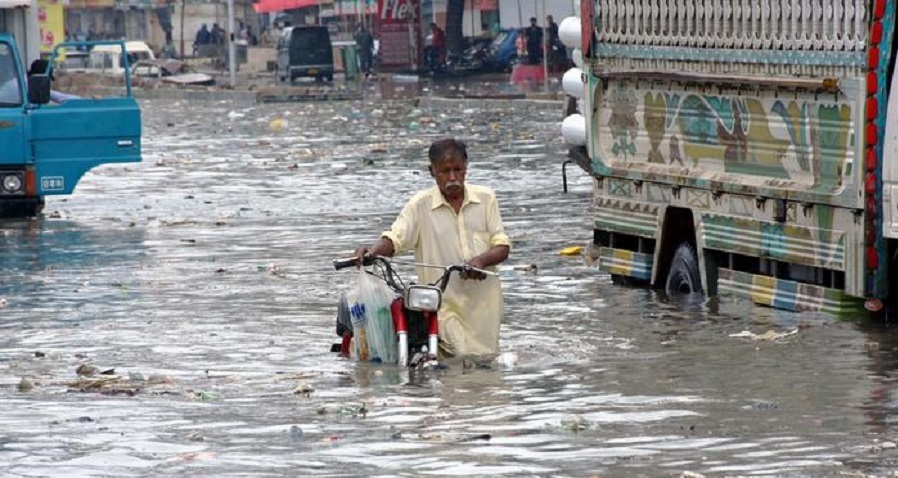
pixel 69 139
pixel 786 294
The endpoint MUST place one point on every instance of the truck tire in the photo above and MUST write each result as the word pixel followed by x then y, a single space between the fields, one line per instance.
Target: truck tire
pixel 684 277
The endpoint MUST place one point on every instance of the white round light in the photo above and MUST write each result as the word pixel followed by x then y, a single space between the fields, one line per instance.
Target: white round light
pixel 573 129
pixel 572 82
pixel 569 32
pixel 577 57
pixel 12 183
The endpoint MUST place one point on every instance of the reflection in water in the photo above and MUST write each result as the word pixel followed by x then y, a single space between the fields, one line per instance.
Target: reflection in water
pixel 163 272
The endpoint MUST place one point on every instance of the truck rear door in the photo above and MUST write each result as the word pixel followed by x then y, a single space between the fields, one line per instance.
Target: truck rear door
pixel 71 138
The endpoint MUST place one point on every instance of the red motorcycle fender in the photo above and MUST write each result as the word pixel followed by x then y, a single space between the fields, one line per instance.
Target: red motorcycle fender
pixel 397 310
pixel 433 326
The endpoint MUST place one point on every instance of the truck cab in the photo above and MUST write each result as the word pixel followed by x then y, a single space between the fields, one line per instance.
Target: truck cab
pixel 46 148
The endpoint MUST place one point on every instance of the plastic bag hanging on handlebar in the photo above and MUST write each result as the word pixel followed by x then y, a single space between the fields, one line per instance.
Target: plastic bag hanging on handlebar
pixel 372 322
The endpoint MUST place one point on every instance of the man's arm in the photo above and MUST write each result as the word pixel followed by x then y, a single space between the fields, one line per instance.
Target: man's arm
pixel 495 255
pixel 383 247
pixel 500 244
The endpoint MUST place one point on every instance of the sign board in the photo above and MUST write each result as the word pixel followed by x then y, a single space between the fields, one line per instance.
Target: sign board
pixel 51 21
pixel 399 32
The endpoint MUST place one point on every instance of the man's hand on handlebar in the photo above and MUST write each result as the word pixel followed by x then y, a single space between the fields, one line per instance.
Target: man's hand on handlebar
pixel 360 254
pixel 470 273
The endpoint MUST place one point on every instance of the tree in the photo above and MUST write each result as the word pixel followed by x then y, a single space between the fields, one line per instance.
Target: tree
pixel 455 10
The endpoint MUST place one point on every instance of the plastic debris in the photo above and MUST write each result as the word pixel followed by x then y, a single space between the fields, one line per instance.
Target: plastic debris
pixel 275 270
pixel 355 410
pixel 526 269
pixel 770 335
pixel 86 370
pixel 25 385
pixel 572 251
pixel 574 423
pixel 158 380
pixel 506 360
pixel 277 125
pixel 691 474
pixel 205 395
pixel 303 390
pixel 296 434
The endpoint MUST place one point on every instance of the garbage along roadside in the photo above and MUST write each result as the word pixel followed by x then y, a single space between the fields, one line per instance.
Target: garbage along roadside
pixel 260 88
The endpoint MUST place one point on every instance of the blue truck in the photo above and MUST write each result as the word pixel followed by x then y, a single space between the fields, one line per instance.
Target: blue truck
pixel 46 148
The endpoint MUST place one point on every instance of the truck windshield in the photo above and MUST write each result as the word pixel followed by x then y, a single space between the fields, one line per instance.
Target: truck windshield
pixel 10 90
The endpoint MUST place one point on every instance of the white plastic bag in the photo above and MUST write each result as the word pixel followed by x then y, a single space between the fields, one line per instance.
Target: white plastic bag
pixel 372 322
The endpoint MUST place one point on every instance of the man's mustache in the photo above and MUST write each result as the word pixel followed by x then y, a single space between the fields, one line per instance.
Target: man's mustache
pixel 454 183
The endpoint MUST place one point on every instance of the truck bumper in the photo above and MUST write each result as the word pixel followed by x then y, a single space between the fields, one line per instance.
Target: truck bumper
pixel 20 207
pixel 787 295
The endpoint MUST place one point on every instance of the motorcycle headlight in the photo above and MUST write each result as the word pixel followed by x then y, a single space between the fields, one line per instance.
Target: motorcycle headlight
pixel 12 184
pixel 424 298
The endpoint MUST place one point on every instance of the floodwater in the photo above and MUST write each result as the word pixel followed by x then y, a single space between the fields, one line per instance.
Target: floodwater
pixel 202 277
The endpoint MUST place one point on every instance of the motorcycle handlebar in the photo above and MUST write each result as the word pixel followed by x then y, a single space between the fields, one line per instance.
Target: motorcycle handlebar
pixel 368 260
pixel 340 264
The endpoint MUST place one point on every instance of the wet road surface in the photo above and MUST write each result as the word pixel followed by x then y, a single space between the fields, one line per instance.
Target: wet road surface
pixel 202 277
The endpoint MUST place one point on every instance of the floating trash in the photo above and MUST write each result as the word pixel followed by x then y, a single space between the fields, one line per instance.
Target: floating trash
pixel 25 385
pixel 572 251
pixel 277 125
pixel 770 335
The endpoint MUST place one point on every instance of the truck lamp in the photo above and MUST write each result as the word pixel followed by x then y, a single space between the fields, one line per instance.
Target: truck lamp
pixel 573 129
pixel 873 305
pixel 569 32
pixel 572 82
pixel 30 181
pixel 423 298
pixel 12 184
pixel 577 57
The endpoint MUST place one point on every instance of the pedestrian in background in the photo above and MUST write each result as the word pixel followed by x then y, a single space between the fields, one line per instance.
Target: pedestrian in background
pixel 534 36
pixel 365 44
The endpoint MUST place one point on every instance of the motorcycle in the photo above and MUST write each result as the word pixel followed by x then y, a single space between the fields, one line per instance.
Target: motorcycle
pixel 471 60
pixel 414 310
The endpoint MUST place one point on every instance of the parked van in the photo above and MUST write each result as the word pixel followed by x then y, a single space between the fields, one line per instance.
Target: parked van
pixel 305 51
pixel 108 59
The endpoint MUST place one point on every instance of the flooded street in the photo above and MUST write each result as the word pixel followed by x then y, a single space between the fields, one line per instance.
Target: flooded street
pixel 203 277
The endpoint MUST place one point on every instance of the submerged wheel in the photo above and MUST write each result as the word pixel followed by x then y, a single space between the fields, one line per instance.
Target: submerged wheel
pixel 684 276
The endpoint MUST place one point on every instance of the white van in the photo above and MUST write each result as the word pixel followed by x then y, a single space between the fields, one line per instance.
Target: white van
pixel 107 59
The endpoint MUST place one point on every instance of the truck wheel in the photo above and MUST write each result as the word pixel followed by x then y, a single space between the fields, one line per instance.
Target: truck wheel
pixel 684 276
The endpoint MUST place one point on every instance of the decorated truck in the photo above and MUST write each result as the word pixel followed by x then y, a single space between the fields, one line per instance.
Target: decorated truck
pixel 46 148
pixel 741 147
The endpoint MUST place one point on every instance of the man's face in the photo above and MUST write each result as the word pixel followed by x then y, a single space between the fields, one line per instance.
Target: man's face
pixel 449 173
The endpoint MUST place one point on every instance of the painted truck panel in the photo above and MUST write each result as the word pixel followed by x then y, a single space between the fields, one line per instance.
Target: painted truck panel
pixel 804 142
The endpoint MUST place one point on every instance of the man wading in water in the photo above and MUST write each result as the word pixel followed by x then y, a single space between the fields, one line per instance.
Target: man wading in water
pixel 453 223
